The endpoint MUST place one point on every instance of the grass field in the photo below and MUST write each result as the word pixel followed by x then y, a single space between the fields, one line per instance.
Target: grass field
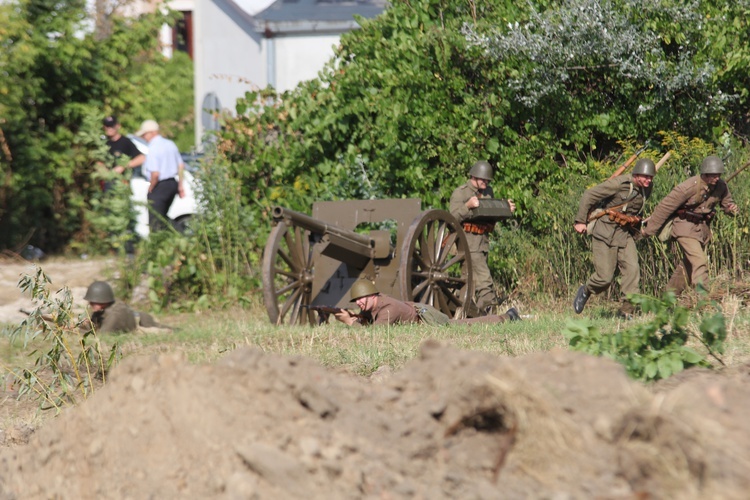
pixel 206 336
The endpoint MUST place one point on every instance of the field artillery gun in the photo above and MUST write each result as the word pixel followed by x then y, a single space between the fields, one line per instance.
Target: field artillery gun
pixel 410 254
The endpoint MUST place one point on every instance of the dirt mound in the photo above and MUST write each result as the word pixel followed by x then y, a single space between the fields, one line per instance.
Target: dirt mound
pixel 451 424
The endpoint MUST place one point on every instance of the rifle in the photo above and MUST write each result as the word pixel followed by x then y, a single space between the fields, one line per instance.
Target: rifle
pixel 663 160
pixel 743 167
pixel 629 161
pixel 324 312
pixel 45 317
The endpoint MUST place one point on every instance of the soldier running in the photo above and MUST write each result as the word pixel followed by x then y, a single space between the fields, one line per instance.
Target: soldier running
pixel 611 210
pixel 691 206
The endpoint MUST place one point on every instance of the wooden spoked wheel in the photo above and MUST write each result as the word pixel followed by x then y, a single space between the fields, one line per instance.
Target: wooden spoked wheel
pixel 288 276
pixel 435 266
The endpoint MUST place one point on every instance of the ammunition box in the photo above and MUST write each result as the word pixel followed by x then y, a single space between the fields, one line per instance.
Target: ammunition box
pixel 491 210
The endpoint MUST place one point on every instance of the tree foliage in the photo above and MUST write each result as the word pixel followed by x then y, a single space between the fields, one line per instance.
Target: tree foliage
pixel 57 82
pixel 552 93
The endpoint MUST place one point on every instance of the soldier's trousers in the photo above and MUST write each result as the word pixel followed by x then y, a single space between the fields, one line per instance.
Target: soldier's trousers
pixel 484 287
pixel 606 261
pixel 694 266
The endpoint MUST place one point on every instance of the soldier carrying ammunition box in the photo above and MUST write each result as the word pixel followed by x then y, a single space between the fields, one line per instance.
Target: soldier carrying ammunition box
pixel 464 201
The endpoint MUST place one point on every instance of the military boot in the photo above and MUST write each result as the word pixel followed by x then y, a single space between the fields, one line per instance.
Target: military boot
pixel 581 298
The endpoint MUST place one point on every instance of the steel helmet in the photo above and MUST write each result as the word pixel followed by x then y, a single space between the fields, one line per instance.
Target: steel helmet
pixel 644 166
pixel 99 292
pixel 481 170
pixel 362 288
pixel 712 165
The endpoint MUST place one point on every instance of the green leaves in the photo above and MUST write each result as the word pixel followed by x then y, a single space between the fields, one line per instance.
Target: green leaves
pixel 655 349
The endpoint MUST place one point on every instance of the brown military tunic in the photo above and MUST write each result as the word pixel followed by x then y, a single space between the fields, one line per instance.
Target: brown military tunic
pixel 613 245
pixel 691 230
pixel 479 244
pixel 390 311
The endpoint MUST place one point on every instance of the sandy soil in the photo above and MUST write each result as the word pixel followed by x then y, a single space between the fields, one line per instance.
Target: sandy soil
pixel 77 275
pixel 450 424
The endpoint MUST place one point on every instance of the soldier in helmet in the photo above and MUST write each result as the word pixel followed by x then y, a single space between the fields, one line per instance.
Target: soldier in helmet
pixel 691 205
pixel 378 309
pixel 610 212
pixel 463 200
pixel 111 316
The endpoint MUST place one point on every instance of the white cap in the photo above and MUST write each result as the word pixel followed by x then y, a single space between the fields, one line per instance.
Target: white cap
pixel 147 126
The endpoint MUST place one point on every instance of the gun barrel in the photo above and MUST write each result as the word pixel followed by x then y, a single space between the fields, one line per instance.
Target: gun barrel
pixel 339 238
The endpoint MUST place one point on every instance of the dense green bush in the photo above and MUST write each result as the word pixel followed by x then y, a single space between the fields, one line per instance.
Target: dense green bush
pixel 553 93
pixel 57 83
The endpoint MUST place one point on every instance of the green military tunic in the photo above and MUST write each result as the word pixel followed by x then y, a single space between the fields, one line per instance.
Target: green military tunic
pixel 613 245
pixel 691 233
pixel 479 244
pixel 119 318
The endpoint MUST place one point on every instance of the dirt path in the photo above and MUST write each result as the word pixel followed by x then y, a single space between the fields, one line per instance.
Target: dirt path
pixel 75 274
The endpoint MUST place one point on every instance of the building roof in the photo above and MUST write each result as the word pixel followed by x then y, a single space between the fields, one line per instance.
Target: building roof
pixel 295 11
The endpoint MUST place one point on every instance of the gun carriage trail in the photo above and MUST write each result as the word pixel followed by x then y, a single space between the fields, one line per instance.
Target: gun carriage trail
pixel 449 424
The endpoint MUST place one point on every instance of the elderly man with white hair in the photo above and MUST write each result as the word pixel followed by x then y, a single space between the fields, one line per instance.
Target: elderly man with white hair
pixel 163 167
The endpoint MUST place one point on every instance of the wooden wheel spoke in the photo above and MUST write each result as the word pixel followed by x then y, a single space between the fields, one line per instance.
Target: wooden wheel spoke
pixel 290 302
pixel 445 250
pixel 451 295
pixel 420 288
pixel 425 249
pixel 294 285
pixel 456 260
pixel 442 301
pixel 418 262
pixel 289 260
pixel 287 273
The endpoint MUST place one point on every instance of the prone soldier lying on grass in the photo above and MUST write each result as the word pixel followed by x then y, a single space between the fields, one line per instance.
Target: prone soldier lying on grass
pixel 378 309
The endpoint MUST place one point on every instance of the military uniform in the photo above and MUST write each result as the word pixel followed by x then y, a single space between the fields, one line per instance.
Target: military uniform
pixel 613 244
pixel 691 205
pixel 119 318
pixel 390 311
pixel 116 318
pixel 478 236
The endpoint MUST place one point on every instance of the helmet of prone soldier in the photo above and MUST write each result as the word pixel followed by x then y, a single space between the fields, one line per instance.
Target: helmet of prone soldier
pixel 481 170
pixel 644 166
pixel 99 292
pixel 362 288
pixel 712 165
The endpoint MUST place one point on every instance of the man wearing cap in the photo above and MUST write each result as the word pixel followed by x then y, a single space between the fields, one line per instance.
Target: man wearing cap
pixel 463 200
pixel 163 167
pixel 690 205
pixel 120 146
pixel 378 309
pixel 611 213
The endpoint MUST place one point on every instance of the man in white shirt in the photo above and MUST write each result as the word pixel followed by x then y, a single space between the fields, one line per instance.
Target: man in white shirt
pixel 163 167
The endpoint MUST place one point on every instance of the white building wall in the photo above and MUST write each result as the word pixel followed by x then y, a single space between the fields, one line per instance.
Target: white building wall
pixel 228 57
pixel 300 58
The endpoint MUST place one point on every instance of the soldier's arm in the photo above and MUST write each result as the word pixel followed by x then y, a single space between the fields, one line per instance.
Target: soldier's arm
pixel 727 203
pixel 666 207
pixel 595 195
pixel 458 208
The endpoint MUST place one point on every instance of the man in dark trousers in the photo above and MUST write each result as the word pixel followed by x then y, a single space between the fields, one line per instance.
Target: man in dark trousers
pixel 163 167
pixel 612 210
pixel 120 146
pixel 691 206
